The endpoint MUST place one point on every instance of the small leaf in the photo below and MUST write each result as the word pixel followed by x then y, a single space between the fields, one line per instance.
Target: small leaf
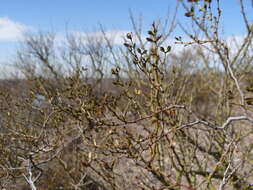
pixel 179 38
pixel 159 37
pixel 149 40
pixel 127 45
pixel 155 30
pixel 189 14
pixel 230 95
pixel 249 88
pixel 135 61
pixel 168 48
pixel 162 49
pixel 115 71
pixel 137 91
pixel 150 33
pixel 249 100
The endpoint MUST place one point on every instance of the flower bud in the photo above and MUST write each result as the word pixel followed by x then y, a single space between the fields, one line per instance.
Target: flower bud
pixel 129 36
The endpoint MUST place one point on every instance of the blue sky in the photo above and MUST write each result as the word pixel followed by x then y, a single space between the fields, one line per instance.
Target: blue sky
pixel 85 15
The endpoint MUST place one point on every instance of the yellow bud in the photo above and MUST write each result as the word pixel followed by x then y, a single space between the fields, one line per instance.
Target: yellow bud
pixel 137 91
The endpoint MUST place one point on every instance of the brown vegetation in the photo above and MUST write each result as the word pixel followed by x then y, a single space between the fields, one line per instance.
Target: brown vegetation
pixel 160 120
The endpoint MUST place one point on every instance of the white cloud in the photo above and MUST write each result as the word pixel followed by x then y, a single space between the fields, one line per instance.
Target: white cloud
pixel 12 31
pixel 116 37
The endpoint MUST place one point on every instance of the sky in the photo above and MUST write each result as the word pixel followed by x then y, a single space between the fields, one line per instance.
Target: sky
pixel 23 16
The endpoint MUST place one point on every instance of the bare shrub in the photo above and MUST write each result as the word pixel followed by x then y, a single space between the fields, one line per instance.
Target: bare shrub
pixel 160 120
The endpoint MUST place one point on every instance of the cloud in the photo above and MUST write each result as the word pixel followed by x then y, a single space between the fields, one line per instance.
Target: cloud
pixel 11 31
pixel 116 37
